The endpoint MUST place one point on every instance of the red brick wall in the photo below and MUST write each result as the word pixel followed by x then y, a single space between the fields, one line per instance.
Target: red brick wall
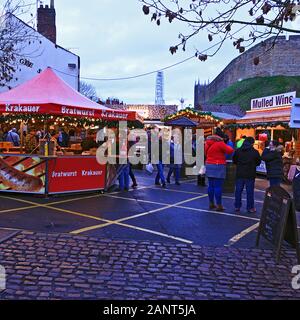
pixel 46 22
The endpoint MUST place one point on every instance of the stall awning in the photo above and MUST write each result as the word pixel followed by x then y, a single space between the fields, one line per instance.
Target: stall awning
pixel 47 93
pixel 265 116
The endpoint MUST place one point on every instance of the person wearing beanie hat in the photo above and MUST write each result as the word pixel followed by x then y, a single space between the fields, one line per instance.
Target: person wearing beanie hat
pixel 272 156
pixel 246 159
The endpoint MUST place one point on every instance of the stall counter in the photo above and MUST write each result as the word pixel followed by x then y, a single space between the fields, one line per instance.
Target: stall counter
pixel 41 175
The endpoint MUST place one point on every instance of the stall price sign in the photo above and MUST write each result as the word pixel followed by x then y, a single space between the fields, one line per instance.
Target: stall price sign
pixel 278 220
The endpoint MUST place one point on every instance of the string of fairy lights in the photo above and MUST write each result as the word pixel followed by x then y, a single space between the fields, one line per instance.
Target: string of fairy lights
pixel 51 120
pixel 192 112
pixel 257 125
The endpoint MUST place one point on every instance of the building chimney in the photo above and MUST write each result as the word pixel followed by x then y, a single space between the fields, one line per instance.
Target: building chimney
pixel 46 21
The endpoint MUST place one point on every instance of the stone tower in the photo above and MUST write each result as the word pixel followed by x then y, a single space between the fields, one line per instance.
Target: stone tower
pixel 201 95
pixel 46 21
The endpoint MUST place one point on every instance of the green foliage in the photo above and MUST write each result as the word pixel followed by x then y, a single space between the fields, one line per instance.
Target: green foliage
pixel 243 91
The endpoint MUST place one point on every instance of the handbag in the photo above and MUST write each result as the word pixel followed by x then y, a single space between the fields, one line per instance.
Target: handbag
pixel 149 168
pixel 202 170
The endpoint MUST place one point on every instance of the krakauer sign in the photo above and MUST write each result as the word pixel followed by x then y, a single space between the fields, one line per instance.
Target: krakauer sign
pixel 279 100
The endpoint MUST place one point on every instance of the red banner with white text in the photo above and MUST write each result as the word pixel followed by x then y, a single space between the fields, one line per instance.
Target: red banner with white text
pixel 58 110
pixel 71 174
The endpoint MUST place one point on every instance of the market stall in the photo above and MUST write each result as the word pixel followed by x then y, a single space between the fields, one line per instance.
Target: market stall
pixel 47 104
pixel 267 120
pixel 194 119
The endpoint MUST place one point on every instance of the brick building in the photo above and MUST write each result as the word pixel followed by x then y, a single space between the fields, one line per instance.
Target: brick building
pixel 43 51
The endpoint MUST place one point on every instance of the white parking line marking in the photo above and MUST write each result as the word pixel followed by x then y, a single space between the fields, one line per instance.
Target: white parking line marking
pixel 38 205
pixel 185 207
pixel 244 199
pixel 219 213
pixel 258 190
pixel 241 235
pixel 96 227
pixel 138 215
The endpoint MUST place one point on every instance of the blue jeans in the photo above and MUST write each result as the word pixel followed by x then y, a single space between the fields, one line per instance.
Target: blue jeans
pixel 174 168
pixel 124 179
pixel 215 189
pixel 239 188
pixel 275 181
pixel 160 173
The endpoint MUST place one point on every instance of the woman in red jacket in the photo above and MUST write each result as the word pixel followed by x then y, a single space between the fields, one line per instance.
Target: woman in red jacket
pixel 215 152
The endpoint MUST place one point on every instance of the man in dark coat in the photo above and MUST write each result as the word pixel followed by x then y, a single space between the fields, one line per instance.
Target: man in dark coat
pixel 246 159
pixel 272 156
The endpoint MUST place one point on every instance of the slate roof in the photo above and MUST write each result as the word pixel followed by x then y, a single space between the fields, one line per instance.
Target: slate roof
pixel 181 122
pixel 224 108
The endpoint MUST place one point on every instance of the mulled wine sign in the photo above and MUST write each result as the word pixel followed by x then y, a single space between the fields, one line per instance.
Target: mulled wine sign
pixel 279 100
pixel 278 221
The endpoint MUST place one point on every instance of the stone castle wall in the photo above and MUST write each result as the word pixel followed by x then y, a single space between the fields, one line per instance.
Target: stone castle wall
pixel 283 59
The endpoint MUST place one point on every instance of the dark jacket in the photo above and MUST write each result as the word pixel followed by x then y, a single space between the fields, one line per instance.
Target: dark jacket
pixel 247 159
pixel 274 163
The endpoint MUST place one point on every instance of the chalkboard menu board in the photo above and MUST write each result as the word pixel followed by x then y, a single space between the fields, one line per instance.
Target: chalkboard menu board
pixel 278 220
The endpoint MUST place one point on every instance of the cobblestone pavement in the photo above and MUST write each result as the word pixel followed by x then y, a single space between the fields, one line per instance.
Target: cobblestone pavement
pixel 64 266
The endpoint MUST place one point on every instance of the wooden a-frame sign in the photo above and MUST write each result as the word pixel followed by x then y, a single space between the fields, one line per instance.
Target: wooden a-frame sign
pixel 278 221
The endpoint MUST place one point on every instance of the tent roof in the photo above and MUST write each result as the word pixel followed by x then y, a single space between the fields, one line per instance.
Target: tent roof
pixel 181 122
pixel 47 88
pixel 47 93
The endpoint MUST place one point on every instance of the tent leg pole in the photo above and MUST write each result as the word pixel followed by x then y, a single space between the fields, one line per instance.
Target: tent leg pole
pixel 21 136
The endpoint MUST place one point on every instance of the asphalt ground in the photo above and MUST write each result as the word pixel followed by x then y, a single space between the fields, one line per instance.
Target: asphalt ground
pixel 178 214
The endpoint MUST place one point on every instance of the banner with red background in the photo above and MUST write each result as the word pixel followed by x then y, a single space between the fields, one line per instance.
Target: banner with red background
pixel 58 110
pixel 69 174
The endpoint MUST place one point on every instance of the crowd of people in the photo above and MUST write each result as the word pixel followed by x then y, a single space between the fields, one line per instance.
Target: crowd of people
pixel 32 137
pixel 247 159
pixel 218 150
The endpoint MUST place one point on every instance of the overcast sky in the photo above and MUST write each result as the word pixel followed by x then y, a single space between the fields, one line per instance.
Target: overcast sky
pixel 115 39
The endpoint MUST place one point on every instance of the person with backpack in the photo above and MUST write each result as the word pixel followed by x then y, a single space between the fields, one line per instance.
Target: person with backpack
pixel 246 159
pixel 272 156
pixel 13 137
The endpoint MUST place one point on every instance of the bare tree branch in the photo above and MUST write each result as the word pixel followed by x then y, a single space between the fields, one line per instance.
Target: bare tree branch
pixel 88 90
pixel 219 20
pixel 15 36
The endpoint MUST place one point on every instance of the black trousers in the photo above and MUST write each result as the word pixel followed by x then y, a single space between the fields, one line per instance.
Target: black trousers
pixel 131 174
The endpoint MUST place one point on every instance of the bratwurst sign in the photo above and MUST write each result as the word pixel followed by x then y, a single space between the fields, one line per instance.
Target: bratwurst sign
pixel 59 110
pixel 279 100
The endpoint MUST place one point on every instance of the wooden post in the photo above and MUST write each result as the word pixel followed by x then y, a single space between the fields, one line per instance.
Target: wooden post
pixel 21 136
